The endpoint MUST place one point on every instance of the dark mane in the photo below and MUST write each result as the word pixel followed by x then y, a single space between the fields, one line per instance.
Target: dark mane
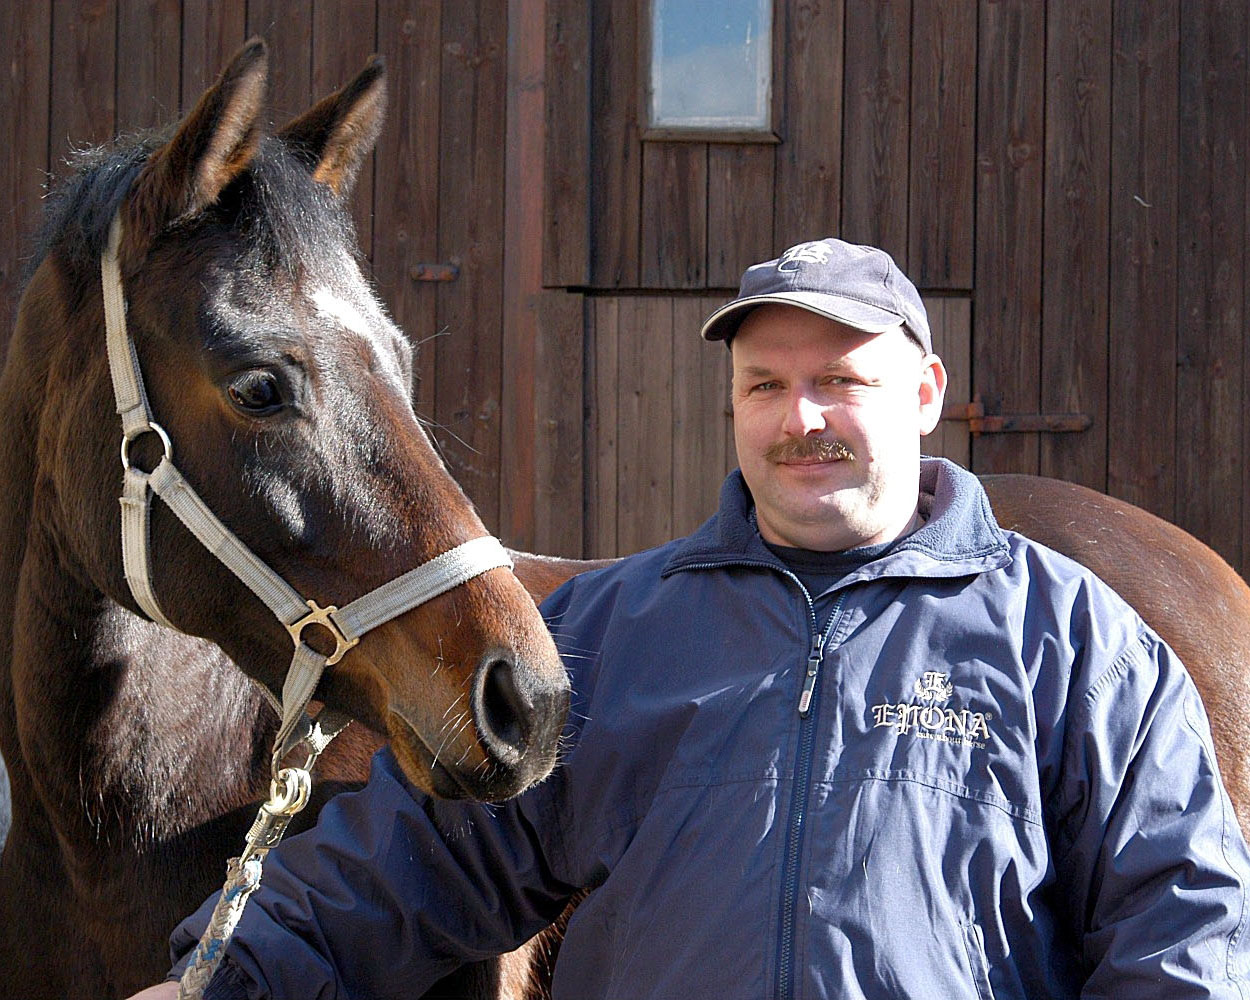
pixel 79 207
pixel 287 218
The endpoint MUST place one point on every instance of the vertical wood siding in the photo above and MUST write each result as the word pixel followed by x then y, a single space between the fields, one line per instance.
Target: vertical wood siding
pixel 1066 182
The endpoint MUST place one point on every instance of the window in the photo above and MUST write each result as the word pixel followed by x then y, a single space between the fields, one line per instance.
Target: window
pixel 709 70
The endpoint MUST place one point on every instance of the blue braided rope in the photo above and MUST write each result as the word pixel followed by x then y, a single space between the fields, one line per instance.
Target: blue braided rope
pixel 242 879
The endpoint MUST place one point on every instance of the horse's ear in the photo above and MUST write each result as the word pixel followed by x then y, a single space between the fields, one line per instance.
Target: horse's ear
pixel 213 145
pixel 334 136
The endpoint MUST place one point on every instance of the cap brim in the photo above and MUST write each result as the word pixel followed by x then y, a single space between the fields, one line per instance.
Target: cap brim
pixel 724 323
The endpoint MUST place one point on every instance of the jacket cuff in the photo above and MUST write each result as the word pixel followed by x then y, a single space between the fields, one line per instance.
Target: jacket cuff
pixel 228 983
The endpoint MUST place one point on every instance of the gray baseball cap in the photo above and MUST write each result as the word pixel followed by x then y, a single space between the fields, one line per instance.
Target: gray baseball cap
pixel 859 286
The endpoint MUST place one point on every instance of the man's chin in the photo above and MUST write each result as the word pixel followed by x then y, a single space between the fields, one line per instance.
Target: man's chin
pixel 821 528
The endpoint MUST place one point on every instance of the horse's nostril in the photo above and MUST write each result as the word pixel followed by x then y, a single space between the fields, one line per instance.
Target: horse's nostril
pixel 504 713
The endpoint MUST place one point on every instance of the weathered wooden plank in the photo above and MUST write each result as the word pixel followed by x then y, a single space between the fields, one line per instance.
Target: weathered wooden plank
pixel 950 321
pixel 566 235
pixel 522 274
pixel 1076 237
pixel 83 99
pixel 874 127
pixel 287 27
pixel 1244 564
pixel 739 210
pixel 405 228
pixel 559 447
pixel 1210 331
pixel 1006 335
pixel 808 174
pixel 943 144
pixel 700 395
pixel 344 36
pixel 1141 418
pixel 212 30
pixel 471 188
pixel 24 154
pixel 149 39
pixel 674 215
pixel 615 150
pixel 644 423
pixel 602 365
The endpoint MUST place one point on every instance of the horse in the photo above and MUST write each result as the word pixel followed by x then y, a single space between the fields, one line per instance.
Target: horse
pixel 135 690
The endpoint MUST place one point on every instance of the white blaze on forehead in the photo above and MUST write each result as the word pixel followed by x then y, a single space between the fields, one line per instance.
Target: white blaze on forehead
pixel 334 307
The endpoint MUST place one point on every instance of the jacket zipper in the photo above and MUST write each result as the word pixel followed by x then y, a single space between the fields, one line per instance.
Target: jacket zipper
pixel 802 770
pixel 802 791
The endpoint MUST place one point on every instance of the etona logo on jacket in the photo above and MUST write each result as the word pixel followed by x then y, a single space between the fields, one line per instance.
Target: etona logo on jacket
pixel 930 719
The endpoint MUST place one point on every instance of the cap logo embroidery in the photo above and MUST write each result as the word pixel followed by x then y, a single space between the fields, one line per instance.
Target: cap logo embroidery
pixel 804 253
pixel 929 718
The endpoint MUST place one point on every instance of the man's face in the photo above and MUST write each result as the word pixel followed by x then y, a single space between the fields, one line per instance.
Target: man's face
pixel 827 422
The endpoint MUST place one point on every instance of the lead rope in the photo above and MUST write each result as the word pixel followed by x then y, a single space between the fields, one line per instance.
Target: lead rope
pixel 290 786
pixel 288 794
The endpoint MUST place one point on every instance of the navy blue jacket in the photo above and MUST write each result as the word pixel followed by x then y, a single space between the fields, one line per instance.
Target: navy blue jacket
pixel 1003 787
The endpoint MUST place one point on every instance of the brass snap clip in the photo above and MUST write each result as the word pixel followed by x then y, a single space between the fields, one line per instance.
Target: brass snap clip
pixel 321 616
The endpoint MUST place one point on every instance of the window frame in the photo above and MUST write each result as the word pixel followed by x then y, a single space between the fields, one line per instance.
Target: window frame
pixel 648 132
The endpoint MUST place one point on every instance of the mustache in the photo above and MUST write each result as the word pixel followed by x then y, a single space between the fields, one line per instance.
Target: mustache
pixel 807 448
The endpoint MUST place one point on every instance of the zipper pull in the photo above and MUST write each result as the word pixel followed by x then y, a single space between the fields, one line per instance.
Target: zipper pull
pixel 809 682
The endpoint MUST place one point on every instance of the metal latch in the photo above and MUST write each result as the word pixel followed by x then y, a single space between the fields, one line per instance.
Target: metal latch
pixel 434 272
pixel 980 422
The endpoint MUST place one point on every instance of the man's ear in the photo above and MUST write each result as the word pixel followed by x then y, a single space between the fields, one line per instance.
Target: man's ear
pixel 932 392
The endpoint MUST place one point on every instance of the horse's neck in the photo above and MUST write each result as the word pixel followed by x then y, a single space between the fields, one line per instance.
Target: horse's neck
pixel 100 710
pixel 17 474
pixel 136 720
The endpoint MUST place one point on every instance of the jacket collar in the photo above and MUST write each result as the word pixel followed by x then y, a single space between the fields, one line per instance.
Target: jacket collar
pixel 960 537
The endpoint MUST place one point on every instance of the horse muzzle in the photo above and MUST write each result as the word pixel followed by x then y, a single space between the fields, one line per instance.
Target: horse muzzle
pixel 517 713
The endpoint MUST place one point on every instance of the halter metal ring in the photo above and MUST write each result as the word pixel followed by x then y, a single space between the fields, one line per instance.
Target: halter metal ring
pixel 289 791
pixel 321 616
pixel 156 429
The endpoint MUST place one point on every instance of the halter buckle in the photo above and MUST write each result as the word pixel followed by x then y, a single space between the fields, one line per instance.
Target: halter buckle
pixel 321 616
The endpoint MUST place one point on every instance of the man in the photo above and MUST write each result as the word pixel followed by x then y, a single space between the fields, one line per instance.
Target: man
pixel 849 739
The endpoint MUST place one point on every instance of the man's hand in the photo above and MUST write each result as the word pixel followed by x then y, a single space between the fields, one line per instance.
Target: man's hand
pixel 165 991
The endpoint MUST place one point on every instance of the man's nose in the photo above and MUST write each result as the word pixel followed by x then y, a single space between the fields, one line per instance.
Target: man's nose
pixel 804 416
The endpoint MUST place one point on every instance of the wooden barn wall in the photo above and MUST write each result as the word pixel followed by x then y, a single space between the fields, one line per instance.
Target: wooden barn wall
pixel 1065 181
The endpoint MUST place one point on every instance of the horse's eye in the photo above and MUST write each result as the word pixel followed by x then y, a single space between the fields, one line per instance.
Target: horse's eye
pixel 256 392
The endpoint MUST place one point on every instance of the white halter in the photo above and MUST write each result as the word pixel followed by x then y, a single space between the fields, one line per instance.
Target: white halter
pixel 347 625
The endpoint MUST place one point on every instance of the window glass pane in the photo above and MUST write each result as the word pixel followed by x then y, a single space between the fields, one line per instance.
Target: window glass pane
pixel 711 63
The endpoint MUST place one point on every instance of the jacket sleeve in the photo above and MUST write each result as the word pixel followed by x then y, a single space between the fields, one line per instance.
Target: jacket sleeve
pixel 387 893
pixel 1148 853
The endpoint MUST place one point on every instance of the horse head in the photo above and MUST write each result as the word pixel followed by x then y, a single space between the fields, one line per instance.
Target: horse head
pixel 286 394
